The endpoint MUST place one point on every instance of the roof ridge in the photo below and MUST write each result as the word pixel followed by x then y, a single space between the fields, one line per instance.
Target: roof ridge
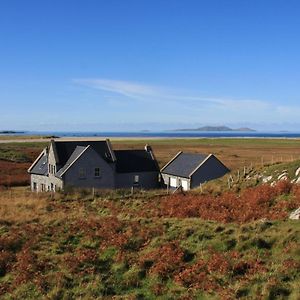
pixel 67 168
pixel 201 163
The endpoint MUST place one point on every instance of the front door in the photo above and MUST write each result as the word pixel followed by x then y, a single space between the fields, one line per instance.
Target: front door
pixel 173 182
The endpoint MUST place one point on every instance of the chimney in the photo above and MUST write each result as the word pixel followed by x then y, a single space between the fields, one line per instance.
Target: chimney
pixel 148 148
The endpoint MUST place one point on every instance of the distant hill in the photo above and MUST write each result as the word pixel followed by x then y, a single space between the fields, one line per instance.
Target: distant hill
pixel 217 128
pixel 10 132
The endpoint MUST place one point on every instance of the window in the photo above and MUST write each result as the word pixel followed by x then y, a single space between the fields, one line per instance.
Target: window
pixel 82 173
pixel 52 187
pixel 43 187
pixel 49 168
pixel 53 169
pixel 97 172
pixel 34 186
pixel 136 178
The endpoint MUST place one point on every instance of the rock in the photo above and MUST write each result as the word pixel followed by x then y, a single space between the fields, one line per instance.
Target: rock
pixel 297 173
pixel 273 183
pixel 295 215
pixel 283 176
pixel 267 179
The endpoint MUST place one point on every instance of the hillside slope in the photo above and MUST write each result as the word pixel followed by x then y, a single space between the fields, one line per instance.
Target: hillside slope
pixel 150 245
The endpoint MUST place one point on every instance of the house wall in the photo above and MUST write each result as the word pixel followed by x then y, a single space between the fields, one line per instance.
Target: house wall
pixel 88 161
pixel 40 179
pixel 166 178
pixel 52 160
pixel 147 180
pixel 211 169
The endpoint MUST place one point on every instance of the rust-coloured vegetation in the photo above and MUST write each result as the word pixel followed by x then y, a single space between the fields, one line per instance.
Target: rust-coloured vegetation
pixel 149 247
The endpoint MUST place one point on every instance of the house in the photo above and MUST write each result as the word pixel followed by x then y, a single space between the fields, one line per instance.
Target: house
pixel 189 170
pixel 92 164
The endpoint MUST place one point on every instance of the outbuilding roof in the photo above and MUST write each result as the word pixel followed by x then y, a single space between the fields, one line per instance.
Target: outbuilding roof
pixel 183 164
pixel 130 161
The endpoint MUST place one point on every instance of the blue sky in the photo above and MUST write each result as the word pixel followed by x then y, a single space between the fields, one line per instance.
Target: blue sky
pixel 131 65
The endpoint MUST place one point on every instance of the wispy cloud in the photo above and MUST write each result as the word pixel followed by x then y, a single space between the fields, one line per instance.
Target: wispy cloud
pixel 140 102
pixel 125 88
pixel 146 92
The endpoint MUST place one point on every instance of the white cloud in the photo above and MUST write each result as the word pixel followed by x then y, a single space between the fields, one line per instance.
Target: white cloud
pixel 143 92
pixel 188 105
pixel 129 89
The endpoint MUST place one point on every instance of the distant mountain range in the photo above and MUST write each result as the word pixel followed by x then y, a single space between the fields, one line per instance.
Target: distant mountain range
pixel 217 128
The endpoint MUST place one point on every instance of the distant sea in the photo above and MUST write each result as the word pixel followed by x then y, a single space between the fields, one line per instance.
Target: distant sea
pixel 166 134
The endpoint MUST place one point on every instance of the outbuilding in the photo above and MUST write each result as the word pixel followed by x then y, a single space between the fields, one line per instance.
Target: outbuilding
pixel 189 170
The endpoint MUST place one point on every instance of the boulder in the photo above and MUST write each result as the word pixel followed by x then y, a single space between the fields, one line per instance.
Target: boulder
pixel 283 176
pixel 267 179
pixel 295 215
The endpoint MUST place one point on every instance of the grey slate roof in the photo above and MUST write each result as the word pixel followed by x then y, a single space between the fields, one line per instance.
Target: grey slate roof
pixel 78 150
pixel 184 164
pixel 130 161
pixel 64 149
pixel 41 166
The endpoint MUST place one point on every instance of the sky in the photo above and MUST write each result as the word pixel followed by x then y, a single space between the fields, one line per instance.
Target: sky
pixel 113 65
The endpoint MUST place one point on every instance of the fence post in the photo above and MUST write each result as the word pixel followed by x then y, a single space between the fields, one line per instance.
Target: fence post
pixel 228 181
